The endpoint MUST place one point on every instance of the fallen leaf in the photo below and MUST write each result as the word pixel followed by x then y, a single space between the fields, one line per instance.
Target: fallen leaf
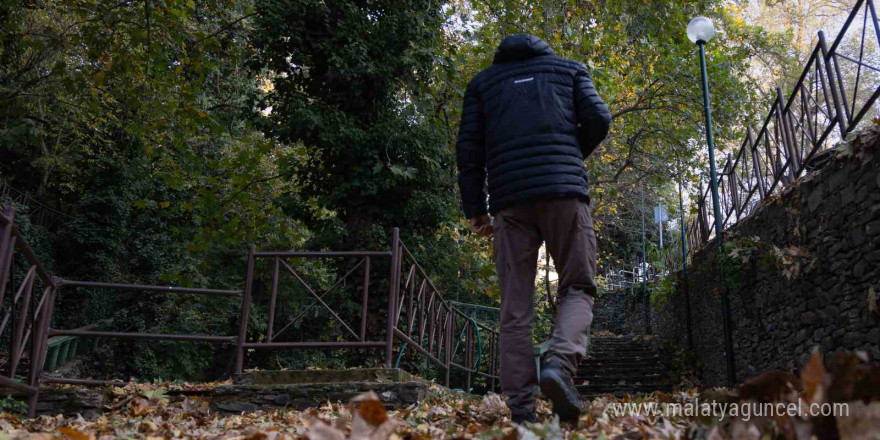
pixel 74 434
pixel 813 378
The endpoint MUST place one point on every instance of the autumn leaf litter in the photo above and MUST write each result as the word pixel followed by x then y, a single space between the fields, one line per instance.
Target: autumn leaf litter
pixel 153 411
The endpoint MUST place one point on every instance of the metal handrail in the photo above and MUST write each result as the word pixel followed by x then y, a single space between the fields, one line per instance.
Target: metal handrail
pixel 27 318
pixel 793 132
pixel 419 317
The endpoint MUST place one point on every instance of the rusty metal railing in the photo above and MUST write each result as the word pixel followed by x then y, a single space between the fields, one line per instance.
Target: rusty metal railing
pixel 24 315
pixel 360 338
pixel 417 315
pixel 829 100
pixel 62 284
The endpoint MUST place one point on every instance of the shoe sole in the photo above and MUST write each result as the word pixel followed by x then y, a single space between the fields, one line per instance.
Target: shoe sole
pixel 553 387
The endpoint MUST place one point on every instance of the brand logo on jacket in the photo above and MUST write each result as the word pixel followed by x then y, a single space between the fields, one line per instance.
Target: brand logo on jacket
pixel 531 78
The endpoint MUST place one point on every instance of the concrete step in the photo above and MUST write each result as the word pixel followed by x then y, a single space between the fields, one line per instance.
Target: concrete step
pixel 620 366
pixel 621 350
pixel 622 347
pixel 622 356
pixel 613 343
pixel 623 385
pixel 588 391
pixel 609 362
pixel 615 378
pixel 620 373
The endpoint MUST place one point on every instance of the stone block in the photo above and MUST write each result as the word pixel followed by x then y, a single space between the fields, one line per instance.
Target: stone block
pixel 815 198
pixel 861 194
pixel 848 194
pixel 859 269
pixel 873 336
pixel 857 236
pixel 853 339
pixel 838 178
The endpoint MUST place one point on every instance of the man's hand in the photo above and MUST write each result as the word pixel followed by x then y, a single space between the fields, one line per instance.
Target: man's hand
pixel 482 225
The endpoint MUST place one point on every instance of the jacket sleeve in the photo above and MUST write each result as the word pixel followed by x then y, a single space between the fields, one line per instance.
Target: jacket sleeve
pixel 593 117
pixel 470 153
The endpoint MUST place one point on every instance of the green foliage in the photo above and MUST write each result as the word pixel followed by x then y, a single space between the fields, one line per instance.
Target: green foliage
pixel 9 404
pixel 662 290
pixel 647 70
pixel 171 134
pixel 741 254
pixel 682 363
pixel 377 160
pixel 137 120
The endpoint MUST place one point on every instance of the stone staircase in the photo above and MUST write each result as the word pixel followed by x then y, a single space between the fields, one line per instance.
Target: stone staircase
pixel 621 365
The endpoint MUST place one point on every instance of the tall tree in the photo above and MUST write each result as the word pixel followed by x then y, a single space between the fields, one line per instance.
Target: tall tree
pixel 646 69
pixel 350 83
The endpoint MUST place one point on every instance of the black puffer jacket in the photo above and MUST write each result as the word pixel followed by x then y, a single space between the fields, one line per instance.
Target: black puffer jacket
pixel 530 119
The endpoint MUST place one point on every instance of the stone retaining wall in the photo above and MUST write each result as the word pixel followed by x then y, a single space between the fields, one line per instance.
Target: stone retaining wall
pixel 803 271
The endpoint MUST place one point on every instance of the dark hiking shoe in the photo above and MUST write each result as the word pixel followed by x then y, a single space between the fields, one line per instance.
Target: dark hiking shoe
pixel 530 417
pixel 557 386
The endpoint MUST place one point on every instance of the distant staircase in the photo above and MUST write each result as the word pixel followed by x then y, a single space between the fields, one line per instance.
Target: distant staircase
pixel 621 365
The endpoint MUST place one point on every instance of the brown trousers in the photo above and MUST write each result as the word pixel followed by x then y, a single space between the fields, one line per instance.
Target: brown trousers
pixel 567 228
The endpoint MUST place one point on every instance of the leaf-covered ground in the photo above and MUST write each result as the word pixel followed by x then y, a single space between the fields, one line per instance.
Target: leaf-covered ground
pixel 147 411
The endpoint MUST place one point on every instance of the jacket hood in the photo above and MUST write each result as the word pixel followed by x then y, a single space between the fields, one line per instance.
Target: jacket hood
pixel 521 46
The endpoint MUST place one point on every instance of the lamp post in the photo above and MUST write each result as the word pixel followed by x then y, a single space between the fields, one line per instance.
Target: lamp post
pixel 700 30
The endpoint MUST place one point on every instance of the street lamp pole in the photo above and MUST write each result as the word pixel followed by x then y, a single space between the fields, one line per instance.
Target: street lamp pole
pixel 700 30
pixel 713 174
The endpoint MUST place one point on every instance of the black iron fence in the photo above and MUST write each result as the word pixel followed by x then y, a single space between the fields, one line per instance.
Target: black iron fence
pixel 833 95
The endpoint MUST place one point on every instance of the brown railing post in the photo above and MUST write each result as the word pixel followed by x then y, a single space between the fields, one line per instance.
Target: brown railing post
pixel 448 344
pixel 245 311
pixel 365 297
pixel 273 299
pixel 469 353
pixel 40 344
pixel 409 302
pixel 7 247
pixel 393 287
pixel 17 340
